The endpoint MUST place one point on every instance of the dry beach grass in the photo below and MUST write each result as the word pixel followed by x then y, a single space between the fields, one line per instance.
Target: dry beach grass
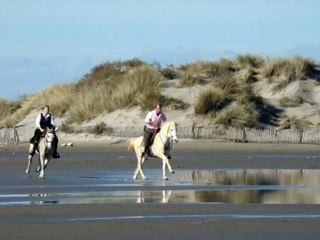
pixel 248 91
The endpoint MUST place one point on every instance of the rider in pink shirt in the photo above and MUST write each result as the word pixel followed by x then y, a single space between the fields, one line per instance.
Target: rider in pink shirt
pixel 153 120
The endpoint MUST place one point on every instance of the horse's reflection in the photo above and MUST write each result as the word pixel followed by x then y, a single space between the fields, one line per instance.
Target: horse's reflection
pixel 161 196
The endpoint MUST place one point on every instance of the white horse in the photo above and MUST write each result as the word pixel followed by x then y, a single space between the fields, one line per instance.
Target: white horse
pixel 160 148
pixel 44 150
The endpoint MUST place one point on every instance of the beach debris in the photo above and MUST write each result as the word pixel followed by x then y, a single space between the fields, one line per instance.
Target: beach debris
pixel 117 140
pixel 70 144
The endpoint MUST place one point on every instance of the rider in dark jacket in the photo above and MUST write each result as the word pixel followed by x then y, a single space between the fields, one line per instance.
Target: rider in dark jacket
pixel 43 121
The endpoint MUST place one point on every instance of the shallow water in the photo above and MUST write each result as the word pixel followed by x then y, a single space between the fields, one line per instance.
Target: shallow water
pixel 264 186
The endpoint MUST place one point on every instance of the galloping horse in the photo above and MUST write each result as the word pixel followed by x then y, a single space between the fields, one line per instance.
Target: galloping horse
pixel 44 150
pixel 160 148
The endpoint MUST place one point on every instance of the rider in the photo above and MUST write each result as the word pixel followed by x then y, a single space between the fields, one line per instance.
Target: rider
pixel 153 121
pixel 44 120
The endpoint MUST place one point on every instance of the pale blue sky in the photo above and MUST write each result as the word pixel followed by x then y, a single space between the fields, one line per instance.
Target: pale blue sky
pixel 44 42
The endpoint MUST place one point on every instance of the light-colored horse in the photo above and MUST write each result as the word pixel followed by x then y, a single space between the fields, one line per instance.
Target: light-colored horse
pixel 160 148
pixel 45 149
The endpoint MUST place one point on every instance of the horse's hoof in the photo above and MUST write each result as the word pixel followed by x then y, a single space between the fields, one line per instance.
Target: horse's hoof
pixel 165 178
pixel 145 178
pixel 134 177
pixel 27 171
pixel 172 172
pixel 38 169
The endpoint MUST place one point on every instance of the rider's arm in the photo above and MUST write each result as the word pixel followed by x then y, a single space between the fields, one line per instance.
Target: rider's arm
pixel 148 118
pixel 164 118
pixel 38 121
pixel 150 121
pixel 53 124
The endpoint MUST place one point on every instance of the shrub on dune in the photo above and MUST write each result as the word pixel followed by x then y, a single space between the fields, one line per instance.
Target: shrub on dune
pixel 189 79
pixel 282 71
pixel 290 102
pixel 238 115
pixel 210 101
pixel 250 61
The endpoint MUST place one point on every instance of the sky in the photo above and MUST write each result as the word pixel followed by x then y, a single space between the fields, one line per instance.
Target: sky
pixel 46 42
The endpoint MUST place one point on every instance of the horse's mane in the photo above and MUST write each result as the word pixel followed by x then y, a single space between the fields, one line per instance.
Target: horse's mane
pixel 166 124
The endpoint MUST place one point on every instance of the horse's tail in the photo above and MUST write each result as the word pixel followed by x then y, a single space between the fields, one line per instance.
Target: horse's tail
pixel 131 146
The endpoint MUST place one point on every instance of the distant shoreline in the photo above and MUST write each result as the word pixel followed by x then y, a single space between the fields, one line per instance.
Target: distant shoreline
pixel 184 145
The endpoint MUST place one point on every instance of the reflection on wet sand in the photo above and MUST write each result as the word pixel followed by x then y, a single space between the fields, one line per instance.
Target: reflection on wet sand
pixel 264 185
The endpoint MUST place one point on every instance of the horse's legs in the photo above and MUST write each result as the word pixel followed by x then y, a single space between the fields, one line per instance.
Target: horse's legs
pixel 47 158
pixel 165 161
pixel 164 170
pixel 41 175
pixel 46 161
pixel 29 163
pixel 29 158
pixel 139 169
pixel 39 165
pixel 144 158
pixel 136 172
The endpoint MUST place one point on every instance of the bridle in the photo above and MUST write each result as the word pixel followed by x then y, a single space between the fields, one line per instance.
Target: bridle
pixel 47 137
pixel 170 137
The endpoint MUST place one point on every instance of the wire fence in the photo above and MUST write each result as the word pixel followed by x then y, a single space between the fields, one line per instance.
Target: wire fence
pixel 22 134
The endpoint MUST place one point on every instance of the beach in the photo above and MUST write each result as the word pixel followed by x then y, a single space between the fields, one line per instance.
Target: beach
pixel 89 193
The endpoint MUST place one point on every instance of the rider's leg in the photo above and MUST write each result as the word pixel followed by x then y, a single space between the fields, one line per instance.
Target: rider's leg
pixel 147 142
pixel 35 139
pixel 55 154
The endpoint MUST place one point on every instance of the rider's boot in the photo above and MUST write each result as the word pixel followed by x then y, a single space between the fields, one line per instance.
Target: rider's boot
pixel 146 151
pixel 55 154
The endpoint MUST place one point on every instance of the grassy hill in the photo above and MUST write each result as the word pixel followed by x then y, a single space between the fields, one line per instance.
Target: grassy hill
pixel 248 91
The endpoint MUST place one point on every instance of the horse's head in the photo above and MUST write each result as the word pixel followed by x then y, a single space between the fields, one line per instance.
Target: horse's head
pixel 49 135
pixel 172 131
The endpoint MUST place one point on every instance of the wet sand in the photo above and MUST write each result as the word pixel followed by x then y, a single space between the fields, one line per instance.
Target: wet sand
pixel 86 169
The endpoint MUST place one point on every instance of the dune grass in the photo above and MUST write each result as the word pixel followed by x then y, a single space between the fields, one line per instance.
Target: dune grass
pixel 290 122
pixel 250 61
pixel 189 79
pixel 282 71
pixel 110 86
pixel 229 103
pixel 169 73
pixel 238 115
pixel 290 101
pixel 8 107
pixel 140 86
pixel 59 97
pixel 210 101
pixel 201 72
